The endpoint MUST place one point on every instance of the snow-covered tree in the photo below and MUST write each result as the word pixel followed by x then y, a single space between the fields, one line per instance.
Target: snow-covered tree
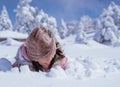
pixel 43 19
pixel 88 23
pixel 114 11
pixel 52 25
pixel 81 35
pixel 72 28
pixel 98 37
pixel 63 29
pixel 5 22
pixel 25 15
pixel 107 29
pixel 47 21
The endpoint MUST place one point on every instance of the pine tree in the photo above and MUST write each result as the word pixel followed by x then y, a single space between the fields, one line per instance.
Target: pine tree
pixel 88 23
pixel 114 11
pixel 25 14
pixel 47 21
pixel 81 36
pixel 72 28
pixel 63 29
pixel 108 30
pixel 5 22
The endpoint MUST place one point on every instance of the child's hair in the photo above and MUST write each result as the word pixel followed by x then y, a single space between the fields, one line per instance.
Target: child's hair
pixel 40 44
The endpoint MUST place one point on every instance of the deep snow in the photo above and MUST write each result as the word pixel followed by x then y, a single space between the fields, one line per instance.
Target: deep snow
pixel 90 65
pixel 12 34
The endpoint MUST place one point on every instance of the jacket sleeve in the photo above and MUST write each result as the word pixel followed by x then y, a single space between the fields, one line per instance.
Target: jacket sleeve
pixel 63 63
pixel 17 63
pixel 19 60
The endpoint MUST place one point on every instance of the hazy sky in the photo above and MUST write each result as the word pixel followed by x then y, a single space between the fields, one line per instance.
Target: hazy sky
pixel 66 9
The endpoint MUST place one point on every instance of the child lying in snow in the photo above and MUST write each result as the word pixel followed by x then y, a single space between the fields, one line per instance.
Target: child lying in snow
pixel 41 51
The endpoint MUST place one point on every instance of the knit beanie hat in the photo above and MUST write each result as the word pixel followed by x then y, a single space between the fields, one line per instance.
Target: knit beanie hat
pixel 40 44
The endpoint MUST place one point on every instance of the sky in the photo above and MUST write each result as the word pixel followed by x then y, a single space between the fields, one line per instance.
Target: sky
pixel 68 10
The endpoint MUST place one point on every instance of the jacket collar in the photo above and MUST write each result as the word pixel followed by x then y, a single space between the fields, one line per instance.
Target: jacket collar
pixel 24 53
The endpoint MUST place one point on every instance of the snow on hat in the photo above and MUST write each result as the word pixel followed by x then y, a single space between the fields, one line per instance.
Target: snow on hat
pixel 40 44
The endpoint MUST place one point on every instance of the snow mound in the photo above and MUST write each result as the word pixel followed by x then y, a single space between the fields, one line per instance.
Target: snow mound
pixel 57 72
pixel 116 44
pixel 78 68
pixel 5 65
pixel 81 67
pixel 10 42
pixel 12 34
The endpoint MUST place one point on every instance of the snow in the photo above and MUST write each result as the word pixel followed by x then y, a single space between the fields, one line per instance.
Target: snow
pixel 10 41
pixel 90 50
pixel 21 80
pixel 90 65
pixel 12 34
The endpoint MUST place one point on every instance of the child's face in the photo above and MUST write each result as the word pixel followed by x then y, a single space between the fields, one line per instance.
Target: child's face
pixel 45 62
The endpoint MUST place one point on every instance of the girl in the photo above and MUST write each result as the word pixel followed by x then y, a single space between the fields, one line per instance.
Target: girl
pixel 41 51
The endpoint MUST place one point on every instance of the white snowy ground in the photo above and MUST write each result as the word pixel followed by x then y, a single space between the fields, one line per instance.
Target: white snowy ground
pixel 12 34
pixel 91 65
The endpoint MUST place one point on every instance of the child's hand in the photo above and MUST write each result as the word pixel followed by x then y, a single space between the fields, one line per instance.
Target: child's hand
pixel 63 63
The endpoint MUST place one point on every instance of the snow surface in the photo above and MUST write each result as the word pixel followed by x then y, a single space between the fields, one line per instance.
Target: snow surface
pixel 90 65
pixel 10 41
pixel 12 34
